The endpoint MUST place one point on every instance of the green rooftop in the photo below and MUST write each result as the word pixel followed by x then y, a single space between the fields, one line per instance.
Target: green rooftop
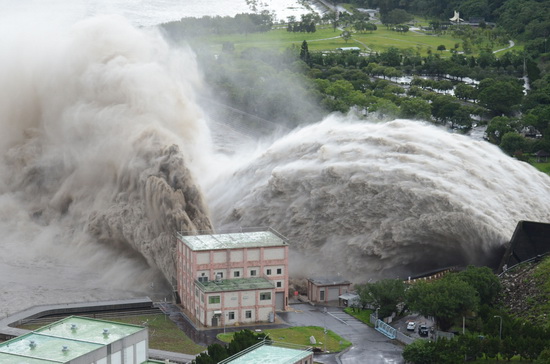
pixel 267 353
pixel 51 349
pixel 90 330
pixel 64 341
pixel 14 359
pixel 251 239
pixel 235 284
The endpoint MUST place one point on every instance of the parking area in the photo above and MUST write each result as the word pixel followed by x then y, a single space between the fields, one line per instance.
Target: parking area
pixel 402 323
pixel 369 346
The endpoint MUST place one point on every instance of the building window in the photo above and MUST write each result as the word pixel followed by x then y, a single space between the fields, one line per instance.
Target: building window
pixel 265 296
pixel 236 274
pixel 196 292
pixel 248 314
pixel 279 284
pixel 202 298
pixel 214 299
pixel 268 272
pixel 279 271
pixel 203 279
pixel 231 315
pixel 253 272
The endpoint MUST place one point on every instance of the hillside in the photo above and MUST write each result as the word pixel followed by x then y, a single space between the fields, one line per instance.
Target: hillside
pixel 526 291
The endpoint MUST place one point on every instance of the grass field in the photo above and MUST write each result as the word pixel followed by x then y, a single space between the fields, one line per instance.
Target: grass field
pixel 300 335
pixel 363 315
pixel 163 333
pixel 328 39
pixel 543 167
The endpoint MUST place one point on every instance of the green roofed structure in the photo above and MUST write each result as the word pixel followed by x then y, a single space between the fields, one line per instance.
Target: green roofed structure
pixel 79 340
pixel 271 352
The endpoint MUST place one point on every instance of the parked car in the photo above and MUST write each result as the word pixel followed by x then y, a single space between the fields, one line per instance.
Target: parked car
pixel 423 330
pixel 411 325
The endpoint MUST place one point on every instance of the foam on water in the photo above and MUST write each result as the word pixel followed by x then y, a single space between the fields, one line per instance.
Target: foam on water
pixel 370 200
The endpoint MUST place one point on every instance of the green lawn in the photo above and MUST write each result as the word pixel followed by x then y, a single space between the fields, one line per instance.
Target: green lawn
pixel 543 167
pixel 300 335
pixel 163 333
pixel 363 315
pixel 327 39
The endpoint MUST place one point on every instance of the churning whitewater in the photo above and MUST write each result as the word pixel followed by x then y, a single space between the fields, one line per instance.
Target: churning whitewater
pixel 106 153
pixel 100 134
pixel 369 200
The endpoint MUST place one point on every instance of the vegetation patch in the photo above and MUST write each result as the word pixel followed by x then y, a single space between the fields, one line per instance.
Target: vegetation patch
pixel 300 335
pixel 164 334
pixel 362 315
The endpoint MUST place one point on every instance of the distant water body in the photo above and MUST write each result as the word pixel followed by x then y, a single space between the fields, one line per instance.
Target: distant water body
pixel 146 12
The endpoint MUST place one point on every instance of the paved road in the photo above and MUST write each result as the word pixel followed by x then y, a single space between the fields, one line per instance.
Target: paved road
pixel 369 346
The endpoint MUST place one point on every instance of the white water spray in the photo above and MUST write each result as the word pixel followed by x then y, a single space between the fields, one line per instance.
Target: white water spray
pixel 102 141
pixel 100 138
pixel 370 200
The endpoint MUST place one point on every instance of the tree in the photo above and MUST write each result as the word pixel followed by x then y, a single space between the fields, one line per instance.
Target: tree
pixel 384 295
pixel 498 126
pixel 414 108
pixel 400 28
pixel 485 282
pixel 445 299
pixel 500 96
pixel 420 352
pixel 396 16
pixel 304 52
pixel 513 142
pixel 465 92
pixel 346 34
pixel 371 27
pixel 441 47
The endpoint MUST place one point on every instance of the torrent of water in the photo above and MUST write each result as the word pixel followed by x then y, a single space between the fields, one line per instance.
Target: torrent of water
pixel 105 154
pixel 100 139
pixel 368 200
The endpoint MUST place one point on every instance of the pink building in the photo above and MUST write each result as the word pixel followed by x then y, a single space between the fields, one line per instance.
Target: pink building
pixel 234 278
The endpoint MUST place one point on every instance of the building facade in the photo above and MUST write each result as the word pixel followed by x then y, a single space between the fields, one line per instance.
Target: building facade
pixel 233 278
pixel 326 289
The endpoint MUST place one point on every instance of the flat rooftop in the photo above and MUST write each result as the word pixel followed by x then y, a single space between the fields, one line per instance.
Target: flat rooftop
pixel 16 359
pixel 90 330
pixel 43 347
pixel 252 239
pixel 236 284
pixel 268 354
pixel 328 281
pixel 63 341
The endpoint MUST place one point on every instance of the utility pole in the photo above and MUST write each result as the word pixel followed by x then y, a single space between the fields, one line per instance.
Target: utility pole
pixel 500 330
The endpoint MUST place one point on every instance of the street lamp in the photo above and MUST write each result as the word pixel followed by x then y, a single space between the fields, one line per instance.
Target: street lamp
pixel 500 331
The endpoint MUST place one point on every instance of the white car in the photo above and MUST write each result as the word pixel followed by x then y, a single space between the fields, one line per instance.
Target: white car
pixel 411 325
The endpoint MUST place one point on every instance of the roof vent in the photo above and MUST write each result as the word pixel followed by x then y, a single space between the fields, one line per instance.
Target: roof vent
pixel 73 327
pixel 65 349
pixel 218 278
pixel 105 332
pixel 32 344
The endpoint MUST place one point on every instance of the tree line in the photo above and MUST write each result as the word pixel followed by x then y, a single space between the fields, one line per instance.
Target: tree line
pixel 469 296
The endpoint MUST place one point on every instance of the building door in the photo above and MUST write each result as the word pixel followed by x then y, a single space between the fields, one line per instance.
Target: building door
pixel 322 295
pixel 214 321
pixel 279 301
pixel 333 293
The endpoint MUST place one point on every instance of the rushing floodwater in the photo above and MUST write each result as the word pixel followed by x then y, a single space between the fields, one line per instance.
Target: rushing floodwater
pixel 105 153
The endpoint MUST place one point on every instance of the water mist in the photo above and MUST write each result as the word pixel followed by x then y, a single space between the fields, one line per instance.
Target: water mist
pixel 371 200
pixel 100 139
